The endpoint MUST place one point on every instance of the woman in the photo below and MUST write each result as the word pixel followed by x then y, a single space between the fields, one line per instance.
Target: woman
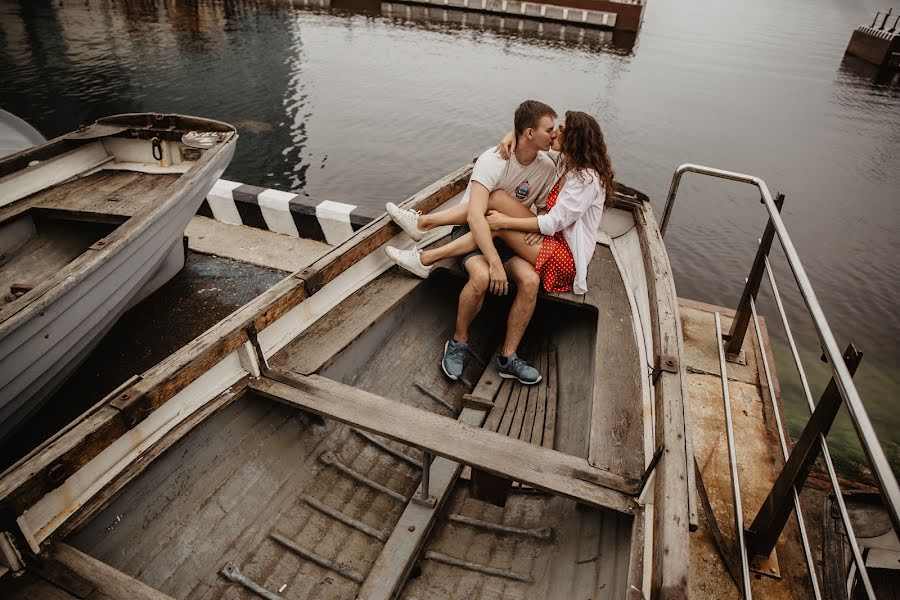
pixel 570 225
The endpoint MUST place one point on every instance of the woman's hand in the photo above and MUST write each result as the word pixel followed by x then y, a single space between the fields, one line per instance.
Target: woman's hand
pixel 507 145
pixel 496 220
pixel 533 239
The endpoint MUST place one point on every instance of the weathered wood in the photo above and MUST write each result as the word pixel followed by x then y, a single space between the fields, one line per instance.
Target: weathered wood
pixel 616 440
pixel 501 400
pixel 21 487
pixel 635 582
pixel 510 411
pixel 671 510
pixel 499 455
pixel 515 427
pixel 316 347
pixel 379 231
pixel 548 439
pixel 109 582
pixel 531 405
pixel 470 401
pixel 489 383
pixel 111 490
pixel 406 542
pixel 537 428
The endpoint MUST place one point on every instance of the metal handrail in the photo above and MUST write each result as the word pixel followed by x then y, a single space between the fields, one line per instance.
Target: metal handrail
pixel 826 455
pixel 887 483
pixel 804 538
pixel 732 465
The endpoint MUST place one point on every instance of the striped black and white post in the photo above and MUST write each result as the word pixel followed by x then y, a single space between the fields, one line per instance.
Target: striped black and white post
pixel 284 212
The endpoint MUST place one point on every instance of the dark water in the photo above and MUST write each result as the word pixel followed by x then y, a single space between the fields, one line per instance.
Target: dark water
pixel 368 107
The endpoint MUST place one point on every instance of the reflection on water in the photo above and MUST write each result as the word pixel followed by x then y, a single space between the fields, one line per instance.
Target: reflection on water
pixel 534 31
pixel 367 102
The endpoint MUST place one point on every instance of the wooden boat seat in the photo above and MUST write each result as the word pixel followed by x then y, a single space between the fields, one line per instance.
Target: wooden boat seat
pixel 106 196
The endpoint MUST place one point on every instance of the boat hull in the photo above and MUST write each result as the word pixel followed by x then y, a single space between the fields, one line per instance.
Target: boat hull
pixel 39 353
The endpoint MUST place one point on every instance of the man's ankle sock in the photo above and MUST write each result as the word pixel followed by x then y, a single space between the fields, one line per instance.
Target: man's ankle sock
pixel 504 360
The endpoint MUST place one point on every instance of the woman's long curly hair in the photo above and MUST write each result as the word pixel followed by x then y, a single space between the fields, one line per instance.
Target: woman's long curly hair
pixel 583 147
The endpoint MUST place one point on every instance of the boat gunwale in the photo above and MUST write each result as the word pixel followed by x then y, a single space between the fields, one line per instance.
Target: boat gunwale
pixel 55 287
pixel 672 505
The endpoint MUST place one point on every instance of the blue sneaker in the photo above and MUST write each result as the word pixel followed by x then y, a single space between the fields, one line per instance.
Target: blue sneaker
pixel 516 368
pixel 454 358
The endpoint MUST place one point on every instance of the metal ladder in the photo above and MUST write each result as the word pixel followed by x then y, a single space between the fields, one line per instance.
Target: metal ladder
pixel 763 533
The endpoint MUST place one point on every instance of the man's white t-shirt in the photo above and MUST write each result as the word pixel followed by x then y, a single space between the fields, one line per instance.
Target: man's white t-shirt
pixel 528 184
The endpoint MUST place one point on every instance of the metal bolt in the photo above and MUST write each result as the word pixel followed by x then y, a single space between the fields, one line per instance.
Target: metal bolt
pixel 670 362
pixel 412 527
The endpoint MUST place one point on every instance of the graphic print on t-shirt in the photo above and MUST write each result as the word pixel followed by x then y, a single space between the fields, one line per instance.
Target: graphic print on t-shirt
pixel 522 190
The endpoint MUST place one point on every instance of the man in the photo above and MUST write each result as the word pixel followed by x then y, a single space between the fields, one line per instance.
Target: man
pixel 527 177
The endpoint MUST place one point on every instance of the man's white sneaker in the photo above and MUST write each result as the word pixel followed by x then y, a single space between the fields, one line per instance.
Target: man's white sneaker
pixel 409 260
pixel 407 219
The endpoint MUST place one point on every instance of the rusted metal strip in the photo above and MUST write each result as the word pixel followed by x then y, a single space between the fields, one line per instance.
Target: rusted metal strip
pixel 544 533
pixel 392 451
pixel 478 568
pixel 329 459
pixel 434 396
pixel 719 540
pixel 232 573
pixel 345 519
pixel 337 567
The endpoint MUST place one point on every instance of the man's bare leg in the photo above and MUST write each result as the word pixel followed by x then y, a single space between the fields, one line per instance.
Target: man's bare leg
pixel 471 299
pixel 527 286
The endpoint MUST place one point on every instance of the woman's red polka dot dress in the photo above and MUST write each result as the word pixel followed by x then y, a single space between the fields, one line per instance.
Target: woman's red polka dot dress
pixel 555 263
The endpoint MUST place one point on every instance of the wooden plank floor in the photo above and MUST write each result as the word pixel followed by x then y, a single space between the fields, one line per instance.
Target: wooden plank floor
pixel 54 246
pixel 528 412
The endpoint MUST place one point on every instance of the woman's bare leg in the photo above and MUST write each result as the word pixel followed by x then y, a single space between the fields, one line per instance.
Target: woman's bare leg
pixel 459 214
pixel 458 247
pixel 516 242
pixel 505 203
pixel 452 216
pixel 466 243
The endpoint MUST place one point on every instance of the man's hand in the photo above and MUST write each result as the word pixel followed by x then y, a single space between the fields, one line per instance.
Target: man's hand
pixel 507 145
pixel 496 220
pixel 499 284
pixel 533 239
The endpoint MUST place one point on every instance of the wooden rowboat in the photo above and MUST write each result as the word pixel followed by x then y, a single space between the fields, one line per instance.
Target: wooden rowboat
pixel 90 223
pixel 281 453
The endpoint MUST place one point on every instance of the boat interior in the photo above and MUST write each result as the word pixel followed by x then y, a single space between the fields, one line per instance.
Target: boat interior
pixel 303 477
pixel 60 200
pixel 236 500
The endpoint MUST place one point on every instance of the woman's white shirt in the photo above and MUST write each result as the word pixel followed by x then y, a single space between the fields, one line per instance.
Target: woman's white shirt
pixel 577 213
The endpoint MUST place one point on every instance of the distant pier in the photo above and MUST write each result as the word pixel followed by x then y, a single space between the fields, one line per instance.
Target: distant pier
pixel 617 15
pixel 876 43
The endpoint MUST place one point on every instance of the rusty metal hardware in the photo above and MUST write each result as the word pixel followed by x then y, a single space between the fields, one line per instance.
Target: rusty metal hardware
pixel 668 364
pixel 156 147
pixel 132 405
